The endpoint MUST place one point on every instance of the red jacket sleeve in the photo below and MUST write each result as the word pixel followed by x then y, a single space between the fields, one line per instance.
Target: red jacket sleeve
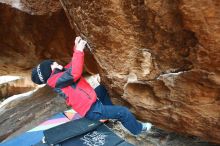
pixel 69 76
pixel 77 64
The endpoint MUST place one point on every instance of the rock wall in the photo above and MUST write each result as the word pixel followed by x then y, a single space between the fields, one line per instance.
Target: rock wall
pixel 40 32
pixel 15 87
pixel 28 39
pixel 31 31
pixel 160 56
pixel 29 36
pixel 34 7
pixel 29 111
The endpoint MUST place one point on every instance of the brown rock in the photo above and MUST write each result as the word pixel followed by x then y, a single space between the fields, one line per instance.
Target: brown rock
pixel 160 57
pixel 29 39
pixel 16 87
pixel 28 111
pixel 34 7
pixel 26 40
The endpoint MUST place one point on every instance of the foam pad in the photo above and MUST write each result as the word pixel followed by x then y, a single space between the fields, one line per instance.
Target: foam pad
pixel 70 129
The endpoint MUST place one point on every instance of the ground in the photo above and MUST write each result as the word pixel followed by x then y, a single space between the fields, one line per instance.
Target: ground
pixel 157 137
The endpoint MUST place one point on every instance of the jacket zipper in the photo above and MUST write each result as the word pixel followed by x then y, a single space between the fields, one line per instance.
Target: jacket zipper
pixel 85 92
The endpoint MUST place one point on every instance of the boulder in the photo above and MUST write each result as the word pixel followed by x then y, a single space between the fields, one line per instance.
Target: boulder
pixel 27 111
pixel 158 57
pixel 28 39
pixel 161 57
pixel 34 7
pixel 15 87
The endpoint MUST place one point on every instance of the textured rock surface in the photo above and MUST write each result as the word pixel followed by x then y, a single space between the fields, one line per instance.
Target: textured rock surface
pixel 15 87
pixel 161 56
pixel 34 7
pixel 28 111
pixel 26 39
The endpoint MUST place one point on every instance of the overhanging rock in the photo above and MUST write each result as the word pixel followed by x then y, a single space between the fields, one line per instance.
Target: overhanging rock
pixel 161 57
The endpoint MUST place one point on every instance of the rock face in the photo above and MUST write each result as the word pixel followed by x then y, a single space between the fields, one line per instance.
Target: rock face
pixel 161 56
pixel 28 111
pixel 34 7
pixel 16 87
pixel 31 36
pixel 38 30
pixel 26 40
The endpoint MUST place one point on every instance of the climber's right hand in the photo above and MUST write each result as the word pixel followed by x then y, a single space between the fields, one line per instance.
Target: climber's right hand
pixel 77 39
pixel 80 44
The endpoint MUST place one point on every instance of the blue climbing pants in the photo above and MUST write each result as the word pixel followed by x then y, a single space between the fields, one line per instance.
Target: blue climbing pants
pixel 104 109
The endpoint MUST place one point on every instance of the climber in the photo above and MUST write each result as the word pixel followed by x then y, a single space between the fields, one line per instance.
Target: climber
pixel 93 104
